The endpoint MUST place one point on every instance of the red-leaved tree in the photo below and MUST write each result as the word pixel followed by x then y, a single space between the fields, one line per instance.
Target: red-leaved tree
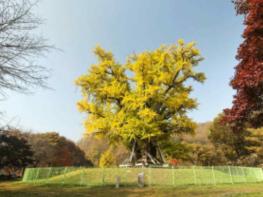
pixel 248 80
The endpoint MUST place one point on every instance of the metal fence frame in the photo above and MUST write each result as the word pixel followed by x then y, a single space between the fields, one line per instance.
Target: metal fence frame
pixel 182 175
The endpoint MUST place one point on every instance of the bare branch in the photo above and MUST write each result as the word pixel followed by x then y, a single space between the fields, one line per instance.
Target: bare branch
pixel 19 46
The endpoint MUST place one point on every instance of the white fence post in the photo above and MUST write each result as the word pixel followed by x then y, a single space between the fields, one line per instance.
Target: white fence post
pixel 214 178
pixel 103 177
pixel 36 177
pixel 230 174
pixel 81 176
pixel 256 174
pixel 173 176
pixel 49 172
pixel 244 174
pixel 118 181
pixel 141 179
pixel 261 174
pixel 64 175
pixel 150 176
pixel 194 172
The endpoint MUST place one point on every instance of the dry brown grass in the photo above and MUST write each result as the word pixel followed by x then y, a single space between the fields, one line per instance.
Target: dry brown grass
pixel 17 189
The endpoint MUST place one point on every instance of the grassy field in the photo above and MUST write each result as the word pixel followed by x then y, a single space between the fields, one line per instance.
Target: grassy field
pixel 19 189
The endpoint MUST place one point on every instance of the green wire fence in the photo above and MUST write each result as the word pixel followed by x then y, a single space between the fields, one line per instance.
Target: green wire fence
pixel 198 175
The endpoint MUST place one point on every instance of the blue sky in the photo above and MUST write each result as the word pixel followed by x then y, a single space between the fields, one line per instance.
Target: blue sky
pixel 124 27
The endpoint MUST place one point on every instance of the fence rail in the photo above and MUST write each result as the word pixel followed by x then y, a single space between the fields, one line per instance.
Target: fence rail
pixel 198 175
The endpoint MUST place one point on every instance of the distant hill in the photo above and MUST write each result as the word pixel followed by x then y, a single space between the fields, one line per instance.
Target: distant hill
pixel 201 134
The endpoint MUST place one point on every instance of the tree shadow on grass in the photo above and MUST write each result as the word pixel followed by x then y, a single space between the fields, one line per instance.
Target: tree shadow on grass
pixel 54 190
pixel 18 189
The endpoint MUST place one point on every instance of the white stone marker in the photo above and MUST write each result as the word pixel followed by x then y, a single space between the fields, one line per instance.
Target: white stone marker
pixel 141 179
pixel 118 181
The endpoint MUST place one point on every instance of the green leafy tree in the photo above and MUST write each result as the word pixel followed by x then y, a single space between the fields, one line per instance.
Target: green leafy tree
pixel 143 101
pixel 254 146
pixel 175 149
pixel 224 137
pixel 207 155
pixel 255 139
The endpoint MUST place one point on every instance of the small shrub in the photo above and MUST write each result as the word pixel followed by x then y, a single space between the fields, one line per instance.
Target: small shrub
pixel 107 159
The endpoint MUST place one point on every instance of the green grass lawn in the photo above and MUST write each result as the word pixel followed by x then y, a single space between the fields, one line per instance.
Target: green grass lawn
pixel 153 176
pixel 19 189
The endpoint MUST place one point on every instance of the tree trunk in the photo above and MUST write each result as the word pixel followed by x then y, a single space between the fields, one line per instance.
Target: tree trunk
pixel 145 152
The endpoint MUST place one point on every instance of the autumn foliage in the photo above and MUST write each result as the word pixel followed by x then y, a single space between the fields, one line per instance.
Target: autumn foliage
pixel 248 79
pixel 144 101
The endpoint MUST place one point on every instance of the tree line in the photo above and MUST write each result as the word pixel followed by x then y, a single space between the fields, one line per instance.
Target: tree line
pixel 212 143
pixel 25 149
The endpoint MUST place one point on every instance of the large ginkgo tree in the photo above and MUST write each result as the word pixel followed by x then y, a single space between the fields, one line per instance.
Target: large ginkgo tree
pixel 144 101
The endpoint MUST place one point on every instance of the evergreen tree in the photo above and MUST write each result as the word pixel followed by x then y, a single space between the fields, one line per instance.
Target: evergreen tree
pixel 254 146
pixel 15 152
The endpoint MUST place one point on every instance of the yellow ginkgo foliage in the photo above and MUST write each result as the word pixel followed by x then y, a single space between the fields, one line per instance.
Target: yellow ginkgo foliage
pixel 143 101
